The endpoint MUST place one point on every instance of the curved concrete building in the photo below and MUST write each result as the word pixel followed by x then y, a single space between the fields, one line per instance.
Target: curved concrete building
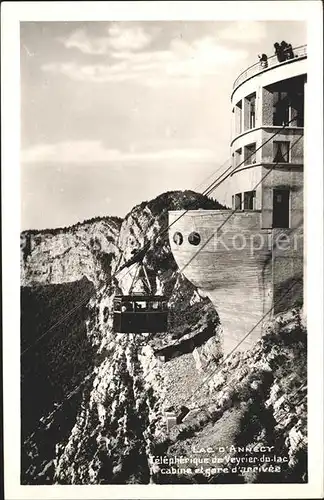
pixel 249 260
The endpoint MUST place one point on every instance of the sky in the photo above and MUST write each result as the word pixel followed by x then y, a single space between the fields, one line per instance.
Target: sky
pixel 116 113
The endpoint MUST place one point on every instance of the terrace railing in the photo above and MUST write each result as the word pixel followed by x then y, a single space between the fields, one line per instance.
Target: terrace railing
pixel 299 52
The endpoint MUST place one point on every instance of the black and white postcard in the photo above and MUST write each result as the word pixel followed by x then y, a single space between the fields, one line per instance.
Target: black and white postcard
pixel 162 241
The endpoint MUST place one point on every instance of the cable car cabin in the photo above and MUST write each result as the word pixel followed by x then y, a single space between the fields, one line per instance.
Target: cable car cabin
pixel 140 314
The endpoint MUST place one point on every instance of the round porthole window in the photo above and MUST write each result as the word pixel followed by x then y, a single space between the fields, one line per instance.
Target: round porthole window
pixel 194 238
pixel 178 238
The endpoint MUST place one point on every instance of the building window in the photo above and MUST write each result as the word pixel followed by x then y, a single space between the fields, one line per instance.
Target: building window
pixel 281 108
pixel 141 305
pixel 117 305
pixel 238 201
pixel 238 157
pixel 280 151
pixel 249 200
pixel 250 154
pixel 178 238
pixel 250 109
pixel 238 118
pixel 297 109
pixel 194 238
pixel 288 107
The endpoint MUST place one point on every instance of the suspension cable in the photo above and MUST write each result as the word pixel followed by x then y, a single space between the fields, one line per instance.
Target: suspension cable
pixel 217 369
pixel 146 248
pixel 233 212
pixel 213 187
pixel 207 241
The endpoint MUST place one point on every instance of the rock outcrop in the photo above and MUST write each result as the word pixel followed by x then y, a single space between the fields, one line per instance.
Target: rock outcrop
pixel 68 254
pixel 253 400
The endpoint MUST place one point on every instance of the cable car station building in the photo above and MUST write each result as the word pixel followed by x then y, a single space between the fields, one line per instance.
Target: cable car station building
pixel 249 260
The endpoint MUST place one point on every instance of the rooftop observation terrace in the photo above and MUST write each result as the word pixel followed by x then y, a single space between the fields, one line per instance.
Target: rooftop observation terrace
pixel 299 52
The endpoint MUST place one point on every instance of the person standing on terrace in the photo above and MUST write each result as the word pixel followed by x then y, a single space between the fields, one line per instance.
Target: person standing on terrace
pixel 279 52
pixel 263 60
pixel 289 52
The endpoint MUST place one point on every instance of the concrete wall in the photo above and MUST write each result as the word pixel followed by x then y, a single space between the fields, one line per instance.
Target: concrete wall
pixel 248 273
pixel 234 269
pixel 266 114
pixel 287 268
pixel 208 267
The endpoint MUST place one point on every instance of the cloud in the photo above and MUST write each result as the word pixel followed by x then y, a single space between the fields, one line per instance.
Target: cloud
pixel 122 38
pixel 243 31
pixel 93 151
pixel 182 61
pixel 118 38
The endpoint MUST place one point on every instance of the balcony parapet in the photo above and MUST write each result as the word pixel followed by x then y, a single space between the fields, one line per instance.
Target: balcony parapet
pixel 300 52
pixel 270 128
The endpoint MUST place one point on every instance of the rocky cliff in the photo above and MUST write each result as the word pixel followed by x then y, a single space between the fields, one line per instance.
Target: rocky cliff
pixel 110 427
pixel 64 255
